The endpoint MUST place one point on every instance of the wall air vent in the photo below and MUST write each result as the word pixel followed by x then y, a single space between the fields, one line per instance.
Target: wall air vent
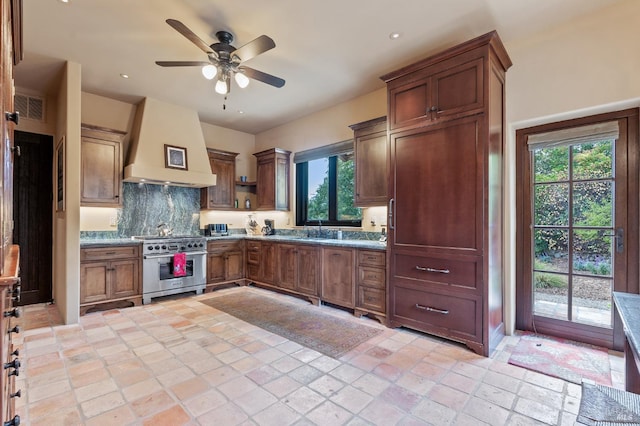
pixel 30 107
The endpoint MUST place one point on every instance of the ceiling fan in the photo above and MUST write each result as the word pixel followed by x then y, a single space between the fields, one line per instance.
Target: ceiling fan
pixel 225 60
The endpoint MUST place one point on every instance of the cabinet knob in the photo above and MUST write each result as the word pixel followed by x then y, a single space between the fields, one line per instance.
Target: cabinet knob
pixel 15 329
pixel 16 352
pixel 15 312
pixel 13 364
pixel 16 394
pixel 12 116
pixel 15 421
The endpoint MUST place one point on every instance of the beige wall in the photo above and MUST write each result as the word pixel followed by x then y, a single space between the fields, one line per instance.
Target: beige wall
pixel 584 67
pixel 322 128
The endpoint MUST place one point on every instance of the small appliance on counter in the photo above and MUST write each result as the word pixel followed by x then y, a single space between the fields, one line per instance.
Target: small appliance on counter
pixel 216 230
pixel 269 227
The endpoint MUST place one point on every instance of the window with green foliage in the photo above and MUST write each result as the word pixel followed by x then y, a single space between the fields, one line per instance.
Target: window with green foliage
pixel 324 191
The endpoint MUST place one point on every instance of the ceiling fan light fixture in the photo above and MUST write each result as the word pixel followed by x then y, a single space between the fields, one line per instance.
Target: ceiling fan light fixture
pixel 209 71
pixel 221 87
pixel 242 80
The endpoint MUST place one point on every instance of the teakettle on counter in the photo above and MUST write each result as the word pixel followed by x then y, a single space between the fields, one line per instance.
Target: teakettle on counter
pixel 164 230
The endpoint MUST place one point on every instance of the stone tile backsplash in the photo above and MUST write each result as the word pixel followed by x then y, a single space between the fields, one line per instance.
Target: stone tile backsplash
pixel 144 207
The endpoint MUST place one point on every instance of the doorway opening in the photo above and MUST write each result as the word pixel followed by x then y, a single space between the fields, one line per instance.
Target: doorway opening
pixel 33 215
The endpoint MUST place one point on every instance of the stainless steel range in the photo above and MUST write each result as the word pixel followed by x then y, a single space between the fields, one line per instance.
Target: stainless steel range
pixel 157 265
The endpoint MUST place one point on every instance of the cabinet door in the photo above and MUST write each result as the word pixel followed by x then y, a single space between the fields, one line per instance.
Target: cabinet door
pixel 338 284
pixel 101 170
pixel 409 103
pixel 268 266
pixel 308 274
pixel 222 195
pixel 215 267
pixel 93 282
pixel 287 266
pixel 124 279
pixel 266 190
pixel 234 265
pixel 371 170
pixel 438 206
pixel 458 89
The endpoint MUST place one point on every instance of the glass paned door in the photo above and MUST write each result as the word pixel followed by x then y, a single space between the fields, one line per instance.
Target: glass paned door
pixel 573 233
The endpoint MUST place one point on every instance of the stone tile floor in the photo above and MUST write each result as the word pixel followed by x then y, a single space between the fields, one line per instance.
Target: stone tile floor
pixel 181 362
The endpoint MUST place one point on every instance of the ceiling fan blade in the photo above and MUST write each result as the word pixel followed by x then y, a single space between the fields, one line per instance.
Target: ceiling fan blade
pixel 182 63
pixel 263 77
pixel 254 48
pixel 182 29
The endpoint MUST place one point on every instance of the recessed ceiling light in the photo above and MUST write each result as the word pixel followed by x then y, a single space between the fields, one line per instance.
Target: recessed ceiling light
pixel 124 75
pixel 65 1
pixel 395 35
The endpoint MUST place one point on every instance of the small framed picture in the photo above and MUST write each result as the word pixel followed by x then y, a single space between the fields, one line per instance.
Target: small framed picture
pixel 175 157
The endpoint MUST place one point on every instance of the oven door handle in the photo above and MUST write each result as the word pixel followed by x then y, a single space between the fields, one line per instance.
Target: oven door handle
pixel 158 256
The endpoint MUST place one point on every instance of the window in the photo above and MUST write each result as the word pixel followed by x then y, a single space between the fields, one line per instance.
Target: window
pixel 325 186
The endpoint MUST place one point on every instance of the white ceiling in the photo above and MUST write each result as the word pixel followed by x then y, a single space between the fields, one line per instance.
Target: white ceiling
pixel 328 51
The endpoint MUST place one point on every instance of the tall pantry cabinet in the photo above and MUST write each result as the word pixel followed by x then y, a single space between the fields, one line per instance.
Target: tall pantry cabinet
pixel 446 137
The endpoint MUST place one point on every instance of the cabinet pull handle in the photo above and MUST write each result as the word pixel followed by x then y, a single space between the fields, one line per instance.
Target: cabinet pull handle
pixel 12 116
pixel 440 271
pixel 110 252
pixel 391 205
pixel 16 150
pixel 430 309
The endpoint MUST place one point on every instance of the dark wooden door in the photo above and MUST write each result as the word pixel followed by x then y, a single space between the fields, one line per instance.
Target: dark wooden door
pixel 32 213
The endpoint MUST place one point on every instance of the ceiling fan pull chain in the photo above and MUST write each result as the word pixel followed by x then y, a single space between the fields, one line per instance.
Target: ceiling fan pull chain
pixel 224 104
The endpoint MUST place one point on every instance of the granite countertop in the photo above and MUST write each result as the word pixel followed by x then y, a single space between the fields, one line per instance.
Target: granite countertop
pixel 368 244
pixel 628 306
pixel 96 242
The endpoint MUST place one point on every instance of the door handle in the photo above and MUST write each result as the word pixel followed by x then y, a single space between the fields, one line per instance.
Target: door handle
pixel 619 236
pixel 391 205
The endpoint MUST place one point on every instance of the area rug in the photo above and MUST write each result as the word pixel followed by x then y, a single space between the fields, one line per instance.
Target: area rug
pixel 302 324
pixel 562 358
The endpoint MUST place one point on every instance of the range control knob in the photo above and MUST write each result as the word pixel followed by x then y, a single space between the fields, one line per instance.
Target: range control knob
pixel 164 247
pixel 150 248
pixel 182 247
pixel 157 247
pixel 189 245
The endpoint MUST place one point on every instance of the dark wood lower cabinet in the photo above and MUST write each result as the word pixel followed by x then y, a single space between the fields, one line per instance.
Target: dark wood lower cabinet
pixel 9 295
pixel 348 277
pixel 225 263
pixel 338 276
pixel 110 275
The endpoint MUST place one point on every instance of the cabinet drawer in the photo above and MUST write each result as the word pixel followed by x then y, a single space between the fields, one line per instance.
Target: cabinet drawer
pixel 109 253
pixel 371 277
pixel 372 258
pixel 466 273
pixel 442 314
pixel 371 298
pixel 220 246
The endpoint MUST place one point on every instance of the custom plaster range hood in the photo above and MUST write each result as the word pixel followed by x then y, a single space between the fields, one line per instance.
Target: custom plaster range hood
pixel 156 124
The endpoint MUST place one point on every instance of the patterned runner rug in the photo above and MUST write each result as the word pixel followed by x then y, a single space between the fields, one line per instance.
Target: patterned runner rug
pixel 303 324
pixel 562 358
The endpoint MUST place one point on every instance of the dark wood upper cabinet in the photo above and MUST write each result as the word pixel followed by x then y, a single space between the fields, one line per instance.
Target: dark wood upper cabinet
pixel 370 149
pixel 101 166
pixel 222 195
pixel 446 138
pixel 441 87
pixel 272 186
